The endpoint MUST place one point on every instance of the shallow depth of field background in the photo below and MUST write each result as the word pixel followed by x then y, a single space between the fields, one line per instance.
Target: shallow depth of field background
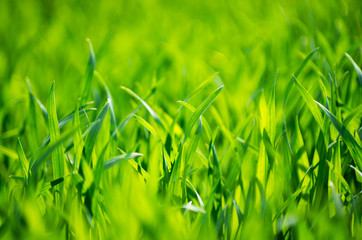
pixel 162 51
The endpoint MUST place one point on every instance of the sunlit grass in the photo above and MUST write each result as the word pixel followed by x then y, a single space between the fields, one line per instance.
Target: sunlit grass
pixel 188 120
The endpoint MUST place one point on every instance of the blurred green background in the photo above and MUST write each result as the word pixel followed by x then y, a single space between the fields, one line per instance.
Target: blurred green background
pixel 176 45
pixel 183 42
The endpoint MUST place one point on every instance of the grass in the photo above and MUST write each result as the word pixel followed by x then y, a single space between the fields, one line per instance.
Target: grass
pixel 181 119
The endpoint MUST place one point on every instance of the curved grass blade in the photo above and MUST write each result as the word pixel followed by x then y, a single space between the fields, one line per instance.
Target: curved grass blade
pixel 87 82
pixel 205 123
pixel 58 153
pixel 78 140
pixel 111 106
pixel 8 152
pixel 272 110
pixel 190 207
pixel 358 70
pixel 23 161
pixel 354 113
pixel 310 102
pixel 149 109
pixel 200 110
pixel 33 130
pixel 65 121
pixel 44 153
pixel 296 74
pixel 116 160
pixel 148 126
pixel 351 143
pixel 95 127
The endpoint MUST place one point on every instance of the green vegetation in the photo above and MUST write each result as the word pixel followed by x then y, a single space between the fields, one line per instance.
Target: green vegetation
pixel 180 119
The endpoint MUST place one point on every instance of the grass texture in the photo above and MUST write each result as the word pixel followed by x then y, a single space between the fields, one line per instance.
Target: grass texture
pixel 181 119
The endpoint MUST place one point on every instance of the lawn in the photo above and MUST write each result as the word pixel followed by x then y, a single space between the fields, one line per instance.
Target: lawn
pixel 178 119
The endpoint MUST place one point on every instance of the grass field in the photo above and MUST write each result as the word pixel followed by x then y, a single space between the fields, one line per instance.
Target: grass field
pixel 181 119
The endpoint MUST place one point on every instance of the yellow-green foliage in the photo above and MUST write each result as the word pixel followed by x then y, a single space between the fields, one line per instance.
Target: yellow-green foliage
pixel 180 119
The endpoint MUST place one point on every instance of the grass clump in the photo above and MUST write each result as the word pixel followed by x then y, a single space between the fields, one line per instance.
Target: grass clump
pixel 192 120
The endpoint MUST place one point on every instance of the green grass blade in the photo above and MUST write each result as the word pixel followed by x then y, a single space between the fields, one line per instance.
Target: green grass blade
pixel 65 121
pixel 204 122
pixel 92 135
pixel 118 159
pixel 356 112
pixel 33 129
pixel 54 132
pixel 200 110
pixel 296 74
pixel 351 143
pixel 310 102
pixel 149 109
pixel 87 82
pixel 23 161
pixel 38 159
pixel 8 152
pixel 148 126
pixel 358 70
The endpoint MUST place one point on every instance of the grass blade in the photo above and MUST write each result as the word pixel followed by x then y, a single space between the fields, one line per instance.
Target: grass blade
pixel 58 153
pixel 23 161
pixel 149 109
pixel 95 127
pixel 118 159
pixel 200 110
pixel 351 143
pixel 87 82
pixel 358 70
pixel 310 102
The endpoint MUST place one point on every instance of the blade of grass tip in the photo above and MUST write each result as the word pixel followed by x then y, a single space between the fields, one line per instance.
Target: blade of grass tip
pixel 339 176
pixel 81 110
pixel 148 126
pixel 91 137
pixel 214 77
pixel 149 109
pixel 287 93
pixel 308 99
pixel 201 203
pixel 122 124
pixel 111 106
pixel 58 153
pixel 41 106
pixel 118 159
pixel 23 161
pixel 193 208
pixel 200 110
pixel 351 143
pixel 237 208
pixel 358 70
pixel 254 95
pixel 205 123
pixel 87 82
pixel 217 81
pixel 296 74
